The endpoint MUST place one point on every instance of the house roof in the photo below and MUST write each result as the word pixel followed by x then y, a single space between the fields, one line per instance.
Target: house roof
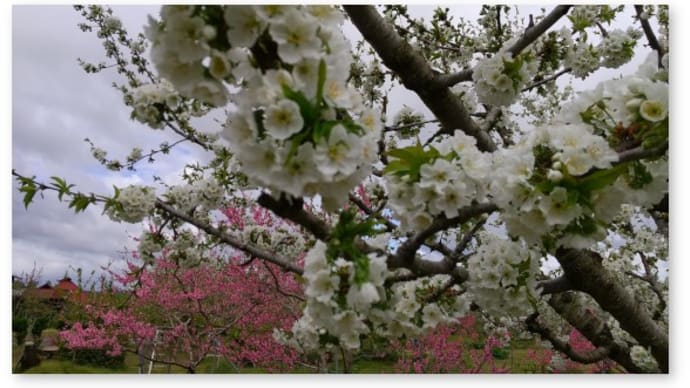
pixel 65 288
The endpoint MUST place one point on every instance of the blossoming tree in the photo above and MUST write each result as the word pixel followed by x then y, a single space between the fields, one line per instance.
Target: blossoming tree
pixel 416 222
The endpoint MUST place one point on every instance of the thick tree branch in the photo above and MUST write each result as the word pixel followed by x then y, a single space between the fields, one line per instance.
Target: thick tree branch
pixel 596 355
pixel 230 240
pixel 416 74
pixel 531 34
pixel 455 78
pixel 585 272
pixel 293 210
pixel 587 320
pixel 553 286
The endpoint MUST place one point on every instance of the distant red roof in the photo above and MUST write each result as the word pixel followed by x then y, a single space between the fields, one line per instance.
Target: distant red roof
pixel 64 288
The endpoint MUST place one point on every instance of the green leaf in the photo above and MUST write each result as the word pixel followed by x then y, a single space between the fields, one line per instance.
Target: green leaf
pixel 601 178
pixel 309 112
pixel 410 160
pixel 80 202
pixel 321 81
pixel 29 191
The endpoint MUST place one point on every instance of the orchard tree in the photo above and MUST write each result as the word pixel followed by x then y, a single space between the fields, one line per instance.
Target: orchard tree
pixel 413 221
pixel 188 301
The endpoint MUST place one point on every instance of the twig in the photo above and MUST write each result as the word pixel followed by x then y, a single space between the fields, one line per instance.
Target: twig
pixel 547 79
pixel 230 240
pixel 416 74
pixel 529 36
pixel 649 33
pixel 367 210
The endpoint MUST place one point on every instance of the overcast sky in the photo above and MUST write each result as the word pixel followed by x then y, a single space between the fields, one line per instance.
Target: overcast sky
pixel 55 105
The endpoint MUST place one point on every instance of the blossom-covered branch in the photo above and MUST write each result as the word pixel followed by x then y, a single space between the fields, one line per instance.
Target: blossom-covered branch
pixel 416 74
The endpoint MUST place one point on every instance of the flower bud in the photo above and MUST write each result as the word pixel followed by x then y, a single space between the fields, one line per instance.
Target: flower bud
pixel 633 105
pixel 554 176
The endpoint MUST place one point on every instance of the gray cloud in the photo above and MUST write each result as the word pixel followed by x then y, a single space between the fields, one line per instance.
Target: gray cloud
pixel 55 106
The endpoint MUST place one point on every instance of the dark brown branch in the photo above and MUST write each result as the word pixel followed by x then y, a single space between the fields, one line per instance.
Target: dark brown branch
pixel 586 273
pixel 649 33
pixel 230 240
pixel 368 211
pixel 455 78
pixel 293 210
pixel 547 79
pixel 596 355
pixel 641 153
pixel 553 286
pixel 400 127
pixel 405 256
pixel 529 36
pixel 468 237
pixel 277 284
pixel 586 318
pixel 416 74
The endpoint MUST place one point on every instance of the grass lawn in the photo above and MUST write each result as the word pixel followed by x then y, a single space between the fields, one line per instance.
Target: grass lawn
pixel 516 362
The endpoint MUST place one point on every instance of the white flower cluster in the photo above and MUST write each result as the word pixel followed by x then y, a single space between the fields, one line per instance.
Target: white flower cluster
pixel 533 181
pixel 467 95
pixel 499 79
pixel 583 59
pixel 279 240
pixel 643 358
pixel 454 180
pixel 180 48
pixel 304 131
pixel 136 202
pixel 503 277
pixel 339 309
pixel 147 101
pixel 550 155
pixel 203 195
pixel 617 48
pixel 337 306
pixel 585 15
pixel 149 245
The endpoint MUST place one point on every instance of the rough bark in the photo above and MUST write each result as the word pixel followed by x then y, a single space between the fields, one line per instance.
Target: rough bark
pixel 585 272
pixel 416 74
pixel 586 319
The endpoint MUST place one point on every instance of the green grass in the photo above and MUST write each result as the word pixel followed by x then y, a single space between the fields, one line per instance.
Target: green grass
pixel 516 362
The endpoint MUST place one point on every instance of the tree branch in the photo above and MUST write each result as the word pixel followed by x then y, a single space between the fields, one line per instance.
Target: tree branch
pixel 585 272
pixel 230 240
pixel 292 210
pixel 531 34
pixel 528 37
pixel 596 355
pixel 641 153
pixel 649 33
pixel 553 286
pixel 547 79
pixel 416 74
pixel 587 320
pixel 405 256
pixel 368 211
